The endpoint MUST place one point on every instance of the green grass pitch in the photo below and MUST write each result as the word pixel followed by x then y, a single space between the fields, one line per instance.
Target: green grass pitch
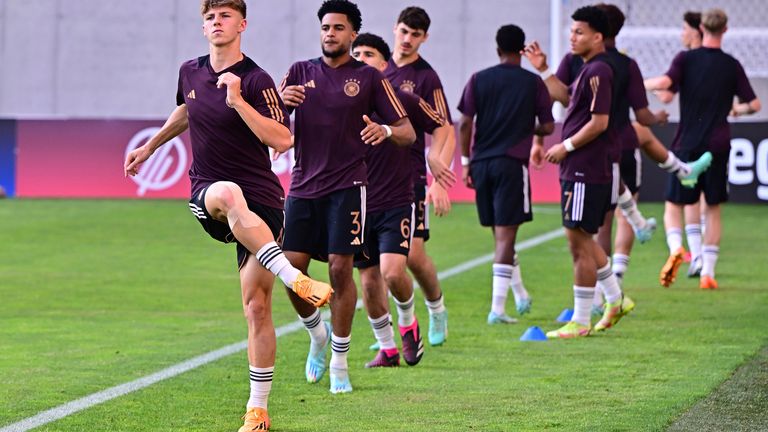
pixel 97 293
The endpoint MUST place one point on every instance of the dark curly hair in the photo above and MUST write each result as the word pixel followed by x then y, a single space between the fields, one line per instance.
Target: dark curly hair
pixel 593 16
pixel 344 7
pixel 510 39
pixel 615 19
pixel 373 41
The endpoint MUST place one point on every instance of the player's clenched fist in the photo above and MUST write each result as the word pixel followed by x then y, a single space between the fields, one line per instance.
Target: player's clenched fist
pixel 232 82
pixel 293 95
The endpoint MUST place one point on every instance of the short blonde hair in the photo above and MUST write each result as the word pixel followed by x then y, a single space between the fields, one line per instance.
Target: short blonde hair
pixel 714 20
pixel 238 5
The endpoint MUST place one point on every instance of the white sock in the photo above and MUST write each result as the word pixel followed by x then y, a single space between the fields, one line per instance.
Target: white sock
pixel 629 209
pixel 620 264
pixel 608 284
pixel 709 254
pixel 272 258
pixel 261 384
pixel 582 301
pixel 597 299
pixel 437 306
pixel 382 329
pixel 693 235
pixel 674 239
pixel 405 312
pixel 317 331
pixel 675 166
pixel 502 277
pixel 516 284
pixel 339 350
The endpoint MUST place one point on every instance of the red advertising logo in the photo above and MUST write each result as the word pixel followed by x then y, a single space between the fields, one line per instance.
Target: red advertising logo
pixel 164 168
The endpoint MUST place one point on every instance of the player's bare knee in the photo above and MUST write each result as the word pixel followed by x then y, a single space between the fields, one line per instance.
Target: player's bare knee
pixel 393 278
pixel 256 310
pixel 339 270
pixel 223 196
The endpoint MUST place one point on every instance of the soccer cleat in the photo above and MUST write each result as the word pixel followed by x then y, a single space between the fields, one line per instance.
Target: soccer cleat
pixel 494 318
pixel 697 167
pixel 374 346
pixel 645 233
pixel 524 306
pixel 438 328
pixel 255 419
pixel 614 312
pixel 694 269
pixel 315 367
pixel 570 330
pixel 413 344
pixel 340 381
pixel 597 311
pixel 707 282
pixel 669 271
pixel 383 359
pixel 313 292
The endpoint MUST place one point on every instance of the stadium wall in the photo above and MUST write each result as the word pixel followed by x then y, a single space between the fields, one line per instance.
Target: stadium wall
pixel 120 59
pixel 84 159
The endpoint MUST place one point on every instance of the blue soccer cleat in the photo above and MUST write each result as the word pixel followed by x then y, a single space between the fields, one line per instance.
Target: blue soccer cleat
pixel 316 366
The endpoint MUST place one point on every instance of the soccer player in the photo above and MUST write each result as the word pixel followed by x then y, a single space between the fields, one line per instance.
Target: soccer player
pixel 333 98
pixel 390 222
pixel 232 110
pixel 585 175
pixel 708 79
pixel 691 37
pixel 411 73
pixel 506 100
pixel 629 93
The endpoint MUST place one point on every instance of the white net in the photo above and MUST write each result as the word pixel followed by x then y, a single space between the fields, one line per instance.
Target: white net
pixel 651 33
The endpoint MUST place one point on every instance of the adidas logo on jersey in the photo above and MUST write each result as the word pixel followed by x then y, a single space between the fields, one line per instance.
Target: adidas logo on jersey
pixel 421 226
pixel 404 244
pixel 310 84
pixel 356 242
pixel 191 95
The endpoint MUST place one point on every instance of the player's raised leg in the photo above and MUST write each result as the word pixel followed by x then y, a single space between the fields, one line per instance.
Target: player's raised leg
pixel 225 201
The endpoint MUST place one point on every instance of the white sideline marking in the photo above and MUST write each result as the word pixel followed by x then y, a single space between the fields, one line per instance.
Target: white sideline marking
pixel 86 402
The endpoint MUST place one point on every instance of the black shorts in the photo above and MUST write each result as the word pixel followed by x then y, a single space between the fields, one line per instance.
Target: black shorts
pixel 584 205
pixel 631 169
pixel 502 191
pixel 615 181
pixel 389 231
pixel 422 212
pixel 220 231
pixel 333 224
pixel 713 182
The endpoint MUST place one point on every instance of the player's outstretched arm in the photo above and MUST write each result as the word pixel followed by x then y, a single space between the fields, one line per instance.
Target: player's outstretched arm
pixel 440 155
pixel 269 131
pixel 645 117
pixel 176 124
pixel 746 108
pixel 557 89
pixel 662 82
